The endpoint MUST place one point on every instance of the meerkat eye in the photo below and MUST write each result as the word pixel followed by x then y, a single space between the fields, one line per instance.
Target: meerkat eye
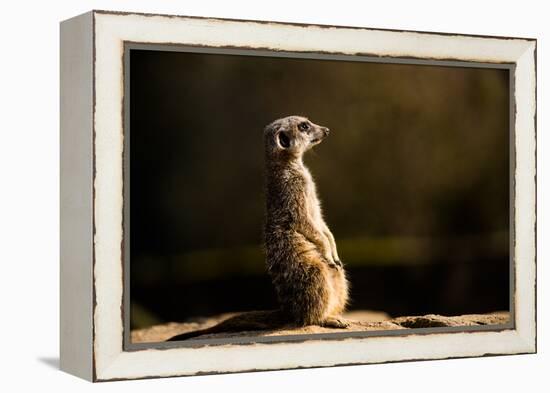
pixel 304 126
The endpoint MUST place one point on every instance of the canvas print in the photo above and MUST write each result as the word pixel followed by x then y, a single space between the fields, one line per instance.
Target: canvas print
pixel 282 196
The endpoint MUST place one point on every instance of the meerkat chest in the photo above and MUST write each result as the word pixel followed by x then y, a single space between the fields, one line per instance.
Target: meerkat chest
pixel 312 201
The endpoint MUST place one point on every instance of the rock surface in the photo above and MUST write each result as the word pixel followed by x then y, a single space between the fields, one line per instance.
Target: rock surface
pixel 360 321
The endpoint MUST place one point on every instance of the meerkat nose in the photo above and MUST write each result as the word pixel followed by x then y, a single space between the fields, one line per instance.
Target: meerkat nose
pixel 326 130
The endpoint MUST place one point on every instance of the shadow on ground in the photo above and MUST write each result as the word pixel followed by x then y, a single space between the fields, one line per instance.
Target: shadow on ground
pixel 52 362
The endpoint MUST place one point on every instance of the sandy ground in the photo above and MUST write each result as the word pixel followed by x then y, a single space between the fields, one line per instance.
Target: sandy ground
pixel 359 321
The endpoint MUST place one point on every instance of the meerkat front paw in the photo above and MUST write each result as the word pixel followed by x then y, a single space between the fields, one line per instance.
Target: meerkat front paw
pixel 336 264
pixel 331 264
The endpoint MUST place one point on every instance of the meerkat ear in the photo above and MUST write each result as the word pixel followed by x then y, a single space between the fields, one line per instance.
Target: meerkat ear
pixel 283 140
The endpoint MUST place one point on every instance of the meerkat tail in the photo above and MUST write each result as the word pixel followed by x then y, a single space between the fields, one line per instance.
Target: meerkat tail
pixel 193 334
pixel 248 321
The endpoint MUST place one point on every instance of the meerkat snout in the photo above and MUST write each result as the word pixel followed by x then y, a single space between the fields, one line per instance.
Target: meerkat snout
pixel 319 135
pixel 292 136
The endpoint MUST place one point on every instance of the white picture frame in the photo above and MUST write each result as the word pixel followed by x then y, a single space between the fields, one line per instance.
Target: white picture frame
pixel 93 340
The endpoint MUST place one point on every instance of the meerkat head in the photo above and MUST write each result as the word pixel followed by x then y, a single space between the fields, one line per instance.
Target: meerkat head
pixel 292 136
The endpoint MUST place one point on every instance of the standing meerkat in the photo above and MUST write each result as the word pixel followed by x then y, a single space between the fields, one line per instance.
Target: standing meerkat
pixel 302 258
pixel 301 255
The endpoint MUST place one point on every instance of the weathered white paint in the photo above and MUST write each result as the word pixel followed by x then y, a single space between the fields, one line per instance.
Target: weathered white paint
pixel 110 32
pixel 76 172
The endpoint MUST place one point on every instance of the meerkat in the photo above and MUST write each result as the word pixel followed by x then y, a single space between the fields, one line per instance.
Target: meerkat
pixel 301 255
pixel 302 258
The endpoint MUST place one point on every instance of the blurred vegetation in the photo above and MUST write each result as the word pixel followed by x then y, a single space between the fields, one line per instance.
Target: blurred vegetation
pixel 414 177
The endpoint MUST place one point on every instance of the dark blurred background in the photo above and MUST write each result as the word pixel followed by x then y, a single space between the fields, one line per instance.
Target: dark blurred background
pixel 414 181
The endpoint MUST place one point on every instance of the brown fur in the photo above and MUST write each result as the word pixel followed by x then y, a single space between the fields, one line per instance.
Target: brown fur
pixel 301 254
